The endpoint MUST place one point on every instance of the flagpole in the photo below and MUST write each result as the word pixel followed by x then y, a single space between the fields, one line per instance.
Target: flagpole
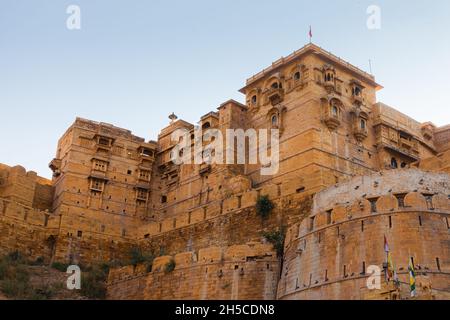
pixel 310 34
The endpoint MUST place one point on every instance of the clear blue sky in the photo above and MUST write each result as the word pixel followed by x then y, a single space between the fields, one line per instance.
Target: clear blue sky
pixel 134 62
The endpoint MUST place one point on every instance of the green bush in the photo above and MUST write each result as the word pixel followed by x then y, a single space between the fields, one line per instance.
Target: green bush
pixel 15 279
pixel 264 206
pixel 93 282
pixel 40 261
pixel 46 291
pixel 16 289
pixel 60 266
pixel 170 266
pixel 276 238
pixel 137 256
pixel 14 276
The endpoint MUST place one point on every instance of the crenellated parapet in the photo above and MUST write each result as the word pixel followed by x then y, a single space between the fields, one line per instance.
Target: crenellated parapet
pixel 246 271
pixel 327 255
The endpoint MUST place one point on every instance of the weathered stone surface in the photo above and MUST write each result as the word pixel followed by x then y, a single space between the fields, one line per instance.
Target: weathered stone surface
pixel 351 170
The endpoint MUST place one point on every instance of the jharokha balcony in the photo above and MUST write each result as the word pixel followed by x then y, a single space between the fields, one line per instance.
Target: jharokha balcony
pixel 55 166
pixel 275 95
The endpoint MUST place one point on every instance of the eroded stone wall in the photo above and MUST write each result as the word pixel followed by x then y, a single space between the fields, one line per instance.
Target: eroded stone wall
pixel 327 255
pixel 238 272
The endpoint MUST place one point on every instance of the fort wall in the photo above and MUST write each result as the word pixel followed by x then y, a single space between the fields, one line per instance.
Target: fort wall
pixel 238 272
pixel 328 254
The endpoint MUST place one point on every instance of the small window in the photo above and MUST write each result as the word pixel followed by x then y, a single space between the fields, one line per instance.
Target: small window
pixel 401 200
pixel 103 141
pixel 79 234
pixel 363 124
pixel 438 264
pixel 394 164
pixel 329 215
pixel 254 99
pixel 275 85
pixel 373 205
pixel 429 200
pixel 274 120
pixel 297 76
pixel 147 152
pixel 334 111
pixel 129 172
pixel 97 185
pixel 163 199
pixel 311 223
pixel 300 190
pixel 206 125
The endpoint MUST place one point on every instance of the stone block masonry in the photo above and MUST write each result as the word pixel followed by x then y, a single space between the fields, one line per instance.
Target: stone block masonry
pixel 351 170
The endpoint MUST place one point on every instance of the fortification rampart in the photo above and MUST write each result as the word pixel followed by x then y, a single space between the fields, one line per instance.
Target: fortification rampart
pixel 238 272
pixel 26 229
pixel 233 221
pixel 327 255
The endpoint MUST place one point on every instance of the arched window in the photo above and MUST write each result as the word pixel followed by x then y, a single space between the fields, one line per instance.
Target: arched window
pixel 254 99
pixel 363 124
pixel 206 125
pixel 394 164
pixel 403 165
pixel 297 76
pixel 275 85
pixel 334 110
pixel 274 120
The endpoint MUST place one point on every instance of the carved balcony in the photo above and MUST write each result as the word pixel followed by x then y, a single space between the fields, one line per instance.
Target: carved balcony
pixel 360 134
pixel 330 86
pixel 204 168
pixel 275 96
pixel 405 143
pixel 357 99
pixel 55 166
pixel 332 122
pixel 427 133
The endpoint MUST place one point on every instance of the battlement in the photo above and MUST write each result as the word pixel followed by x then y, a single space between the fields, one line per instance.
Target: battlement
pixel 236 272
pixel 345 234
pixel 106 129
pixel 288 192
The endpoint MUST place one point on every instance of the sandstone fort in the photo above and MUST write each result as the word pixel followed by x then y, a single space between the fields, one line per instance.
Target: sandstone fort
pixel 352 172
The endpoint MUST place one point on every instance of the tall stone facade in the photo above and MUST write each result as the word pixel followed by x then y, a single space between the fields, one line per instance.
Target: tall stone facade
pixel 112 191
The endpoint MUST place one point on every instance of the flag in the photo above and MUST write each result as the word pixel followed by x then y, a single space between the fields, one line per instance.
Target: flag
pixel 391 273
pixel 386 245
pixel 412 278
